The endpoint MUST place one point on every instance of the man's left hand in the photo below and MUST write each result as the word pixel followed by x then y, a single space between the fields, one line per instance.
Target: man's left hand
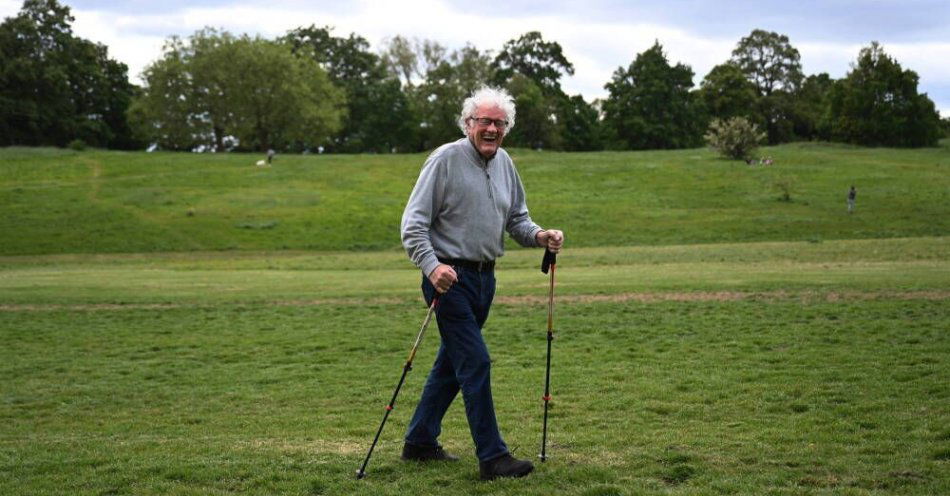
pixel 552 239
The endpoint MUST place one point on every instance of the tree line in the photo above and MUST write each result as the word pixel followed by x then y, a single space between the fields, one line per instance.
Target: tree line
pixel 314 90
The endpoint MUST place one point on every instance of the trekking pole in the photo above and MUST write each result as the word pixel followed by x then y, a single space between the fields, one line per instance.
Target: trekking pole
pixel 550 260
pixel 405 369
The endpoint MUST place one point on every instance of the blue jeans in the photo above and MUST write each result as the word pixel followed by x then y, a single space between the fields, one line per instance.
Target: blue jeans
pixel 461 363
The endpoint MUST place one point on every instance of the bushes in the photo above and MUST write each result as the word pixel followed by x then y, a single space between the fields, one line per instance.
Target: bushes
pixel 734 138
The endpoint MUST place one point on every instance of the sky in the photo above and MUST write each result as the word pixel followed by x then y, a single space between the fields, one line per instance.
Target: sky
pixel 597 36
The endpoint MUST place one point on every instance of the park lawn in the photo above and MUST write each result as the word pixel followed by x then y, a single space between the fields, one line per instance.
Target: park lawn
pixel 191 324
pixel 759 368
pixel 296 278
pixel 63 201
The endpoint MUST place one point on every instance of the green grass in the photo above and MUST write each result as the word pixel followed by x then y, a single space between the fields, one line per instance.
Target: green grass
pixel 61 201
pixel 914 264
pixel 815 368
pixel 190 324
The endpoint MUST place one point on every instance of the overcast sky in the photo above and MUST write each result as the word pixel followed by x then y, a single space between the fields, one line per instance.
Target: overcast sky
pixel 597 36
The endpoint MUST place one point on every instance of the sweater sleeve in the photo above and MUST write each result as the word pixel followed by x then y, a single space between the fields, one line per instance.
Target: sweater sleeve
pixel 520 226
pixel 424 203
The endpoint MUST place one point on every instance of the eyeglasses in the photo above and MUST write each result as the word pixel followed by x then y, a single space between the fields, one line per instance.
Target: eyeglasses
pixel 485 122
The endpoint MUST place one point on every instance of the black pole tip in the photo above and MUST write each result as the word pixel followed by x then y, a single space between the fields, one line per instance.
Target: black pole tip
pixel 360 474
pixel 543 457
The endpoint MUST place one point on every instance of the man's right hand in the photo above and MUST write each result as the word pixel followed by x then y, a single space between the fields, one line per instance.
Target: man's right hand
pixel 443 277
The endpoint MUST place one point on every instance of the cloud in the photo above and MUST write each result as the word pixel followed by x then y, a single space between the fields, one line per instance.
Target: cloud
pixel 597 38
pixel 9 8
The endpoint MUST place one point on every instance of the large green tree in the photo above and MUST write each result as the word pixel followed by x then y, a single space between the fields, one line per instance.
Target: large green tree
pixel 810 107
pixel 399 57
pixel 219 86
pixel 726 93
pixel 449 78
pixel 167 112
pixel 770 61
pixel 436 102
pixel 56 87
pixel 531 56
pixel 581 127
pixel 877 104
pixel 650 105
pixel 379 116
pixel 473 68
pixel 282 101
pixel 212 56
pixel 536 127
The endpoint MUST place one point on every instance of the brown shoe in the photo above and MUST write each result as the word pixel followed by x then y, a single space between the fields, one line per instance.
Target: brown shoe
pixel 426 453
pixel 504 466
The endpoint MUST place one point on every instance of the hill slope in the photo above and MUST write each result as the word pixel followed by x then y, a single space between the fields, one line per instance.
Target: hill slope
pixel 60 201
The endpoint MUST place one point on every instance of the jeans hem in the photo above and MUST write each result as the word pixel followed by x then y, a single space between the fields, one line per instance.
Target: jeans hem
pixel 494 456
pixel 422 445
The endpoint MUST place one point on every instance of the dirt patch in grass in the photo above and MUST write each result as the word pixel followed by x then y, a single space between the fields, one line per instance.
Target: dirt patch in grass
pixel 53 307
pixel 645 297
pixel 805 296
pixel 313 446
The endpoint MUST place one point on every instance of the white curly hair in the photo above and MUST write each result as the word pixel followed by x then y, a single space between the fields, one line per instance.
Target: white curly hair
pixel 493 97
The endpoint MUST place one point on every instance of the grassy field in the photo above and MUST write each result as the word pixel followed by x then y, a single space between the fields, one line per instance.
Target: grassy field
pixel 761 368
pixel 188 324
pixel 59 201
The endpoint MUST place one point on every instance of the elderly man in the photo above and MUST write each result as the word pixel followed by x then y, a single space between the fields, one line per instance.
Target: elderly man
pixel 467 195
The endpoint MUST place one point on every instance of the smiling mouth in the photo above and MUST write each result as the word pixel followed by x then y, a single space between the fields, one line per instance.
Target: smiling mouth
pixel 489 138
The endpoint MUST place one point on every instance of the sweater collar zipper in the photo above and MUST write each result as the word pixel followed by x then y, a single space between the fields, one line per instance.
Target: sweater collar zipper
pixel 483 164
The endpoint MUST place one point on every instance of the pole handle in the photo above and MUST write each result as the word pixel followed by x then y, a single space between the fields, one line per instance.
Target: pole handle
pixel 550 258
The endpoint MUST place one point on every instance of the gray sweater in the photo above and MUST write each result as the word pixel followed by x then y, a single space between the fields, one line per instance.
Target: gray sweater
pixel 462 205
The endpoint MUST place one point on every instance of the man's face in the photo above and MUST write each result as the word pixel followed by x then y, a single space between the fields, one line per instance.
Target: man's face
pixel 487 139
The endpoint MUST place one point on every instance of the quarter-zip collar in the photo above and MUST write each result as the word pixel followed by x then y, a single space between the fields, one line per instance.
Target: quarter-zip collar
pixel 482 163
pixel 477 156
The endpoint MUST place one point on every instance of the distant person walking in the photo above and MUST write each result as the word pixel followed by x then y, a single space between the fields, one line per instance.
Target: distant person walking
pixel 270 155
pixel 852 194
